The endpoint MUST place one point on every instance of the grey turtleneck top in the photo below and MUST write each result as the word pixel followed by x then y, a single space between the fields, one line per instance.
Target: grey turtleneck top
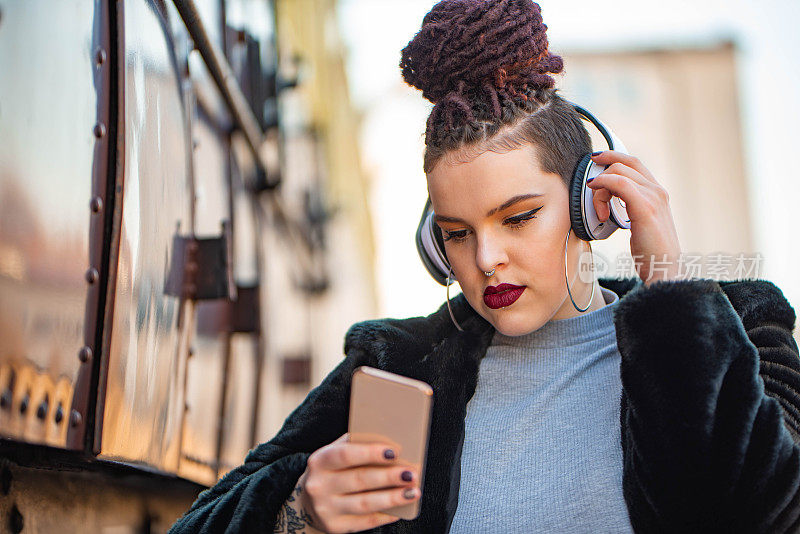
pixel 542 446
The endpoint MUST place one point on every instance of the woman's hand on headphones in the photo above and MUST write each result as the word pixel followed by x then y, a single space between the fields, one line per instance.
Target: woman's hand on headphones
pixel 654 240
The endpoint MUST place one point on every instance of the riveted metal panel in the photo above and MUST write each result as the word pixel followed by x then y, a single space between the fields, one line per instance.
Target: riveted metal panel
pixel 81 417
pixel 205 370
pixel 205 375
pixel 237 422
pixel 144 387
pixel 54 146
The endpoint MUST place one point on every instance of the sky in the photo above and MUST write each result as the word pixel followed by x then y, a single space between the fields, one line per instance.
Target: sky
pixel 768 62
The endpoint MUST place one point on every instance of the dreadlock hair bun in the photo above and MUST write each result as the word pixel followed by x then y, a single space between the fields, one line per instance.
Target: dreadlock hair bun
pixel 489 49
pixel 485 65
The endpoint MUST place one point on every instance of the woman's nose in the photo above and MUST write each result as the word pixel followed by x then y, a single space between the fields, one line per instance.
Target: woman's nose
pixel 490 253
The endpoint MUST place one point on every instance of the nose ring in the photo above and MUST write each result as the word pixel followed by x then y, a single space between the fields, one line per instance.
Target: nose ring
pixel 488 273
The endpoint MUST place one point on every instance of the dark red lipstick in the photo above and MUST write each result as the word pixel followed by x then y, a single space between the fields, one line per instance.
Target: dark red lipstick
pixel 501 296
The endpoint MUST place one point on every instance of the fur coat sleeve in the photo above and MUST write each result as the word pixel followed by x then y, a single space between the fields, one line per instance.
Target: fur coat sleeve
pixel 710 420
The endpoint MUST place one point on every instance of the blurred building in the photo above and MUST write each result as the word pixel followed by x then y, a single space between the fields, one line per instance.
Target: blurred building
pixel 677 109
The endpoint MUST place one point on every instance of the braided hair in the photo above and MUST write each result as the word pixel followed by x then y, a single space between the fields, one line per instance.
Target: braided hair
pixel 485 65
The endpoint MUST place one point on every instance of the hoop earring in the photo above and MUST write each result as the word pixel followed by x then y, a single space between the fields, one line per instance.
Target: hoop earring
pixel 566 279
pixel 452 317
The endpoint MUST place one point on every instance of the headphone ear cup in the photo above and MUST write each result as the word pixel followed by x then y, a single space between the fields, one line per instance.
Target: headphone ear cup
pixel 576 188
pixel 430 247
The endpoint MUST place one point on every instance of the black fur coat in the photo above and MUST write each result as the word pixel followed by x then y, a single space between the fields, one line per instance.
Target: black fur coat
pixel 710 412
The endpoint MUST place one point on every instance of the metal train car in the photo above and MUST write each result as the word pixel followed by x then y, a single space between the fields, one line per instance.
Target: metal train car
pixel 155 254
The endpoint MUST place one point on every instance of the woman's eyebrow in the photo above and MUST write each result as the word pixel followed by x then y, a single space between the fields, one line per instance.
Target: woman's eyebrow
pixel 444 218
pixel 510 202
pixel 507 204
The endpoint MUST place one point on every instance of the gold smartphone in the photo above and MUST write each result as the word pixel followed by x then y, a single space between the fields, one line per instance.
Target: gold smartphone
pixel 393 409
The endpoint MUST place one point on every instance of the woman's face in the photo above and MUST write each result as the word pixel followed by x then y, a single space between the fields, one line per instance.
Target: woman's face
pixel 501 211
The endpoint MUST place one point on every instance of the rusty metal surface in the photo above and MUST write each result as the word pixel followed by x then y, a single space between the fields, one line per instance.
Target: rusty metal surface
pixel 46 204
pixel 204 385
pixel 237 419
pixel 251 47
pixel 245 315
pixel 144 398
pixel 297 370
pixel 201 267
pixel 220 71
pixel 104 54
pixel 210 162
pixel 112 205
pixel 247 252
pixel 96 181
pixel 76 498
pixel 205 375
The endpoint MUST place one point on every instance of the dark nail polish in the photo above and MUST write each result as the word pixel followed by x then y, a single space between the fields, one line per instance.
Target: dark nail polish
pixel 407 476
pixel 388 454
pixel 409 493
pixel 596 153
pixel 590 179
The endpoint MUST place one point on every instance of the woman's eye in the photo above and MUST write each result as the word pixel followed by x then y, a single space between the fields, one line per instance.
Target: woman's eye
pixel 457 235
pixel 519 220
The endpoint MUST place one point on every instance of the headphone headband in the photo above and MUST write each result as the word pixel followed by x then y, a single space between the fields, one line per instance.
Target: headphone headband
pixel 614 142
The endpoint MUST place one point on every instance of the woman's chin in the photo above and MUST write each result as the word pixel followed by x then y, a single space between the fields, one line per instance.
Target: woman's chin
pixel 520 318
pixel 511 322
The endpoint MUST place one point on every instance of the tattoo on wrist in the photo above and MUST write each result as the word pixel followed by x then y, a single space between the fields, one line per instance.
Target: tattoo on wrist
pixel 290 520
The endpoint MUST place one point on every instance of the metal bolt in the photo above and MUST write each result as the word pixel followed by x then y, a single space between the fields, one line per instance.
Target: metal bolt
pixel 41 411
pixel 5 399
pixel 23 404
pixel 99 130
pixel 191 352
pixel 59 414
pixel 100 56
pixel 75 418
pixel 92 275
pixel 85 354
pixel 96 205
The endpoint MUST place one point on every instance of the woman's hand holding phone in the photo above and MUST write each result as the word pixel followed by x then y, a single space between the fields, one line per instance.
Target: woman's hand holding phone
pixel 346 485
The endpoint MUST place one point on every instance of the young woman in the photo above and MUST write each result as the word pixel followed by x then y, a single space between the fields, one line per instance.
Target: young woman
pixel 649 404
